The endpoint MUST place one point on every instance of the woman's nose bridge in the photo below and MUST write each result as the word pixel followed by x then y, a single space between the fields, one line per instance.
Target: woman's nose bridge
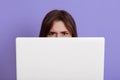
pixel 58 35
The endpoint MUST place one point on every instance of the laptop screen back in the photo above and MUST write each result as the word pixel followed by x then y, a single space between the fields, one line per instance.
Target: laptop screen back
pixel 60 58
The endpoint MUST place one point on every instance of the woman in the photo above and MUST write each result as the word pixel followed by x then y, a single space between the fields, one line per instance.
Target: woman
pixel 58 23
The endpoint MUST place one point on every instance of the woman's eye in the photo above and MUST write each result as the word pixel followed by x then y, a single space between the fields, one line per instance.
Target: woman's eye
pixel 64 33
pixel 51 33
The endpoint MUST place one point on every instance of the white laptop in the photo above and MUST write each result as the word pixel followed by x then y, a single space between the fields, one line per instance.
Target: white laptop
pixel 60 58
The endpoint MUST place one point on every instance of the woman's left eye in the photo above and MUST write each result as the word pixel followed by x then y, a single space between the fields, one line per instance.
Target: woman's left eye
pixel 64 33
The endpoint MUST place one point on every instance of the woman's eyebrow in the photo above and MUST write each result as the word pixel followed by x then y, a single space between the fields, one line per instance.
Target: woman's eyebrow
pixel 64 32
pixel 52 31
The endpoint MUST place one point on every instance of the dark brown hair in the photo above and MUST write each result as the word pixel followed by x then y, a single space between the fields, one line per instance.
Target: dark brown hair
pixel 56 15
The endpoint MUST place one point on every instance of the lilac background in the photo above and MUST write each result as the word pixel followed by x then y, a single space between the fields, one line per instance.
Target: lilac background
pixel 94 18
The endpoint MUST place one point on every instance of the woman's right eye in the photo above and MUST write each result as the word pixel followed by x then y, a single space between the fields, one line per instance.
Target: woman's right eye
pixel 51 33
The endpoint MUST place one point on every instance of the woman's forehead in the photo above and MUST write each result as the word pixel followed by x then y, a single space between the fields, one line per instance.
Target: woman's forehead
pixel 58 26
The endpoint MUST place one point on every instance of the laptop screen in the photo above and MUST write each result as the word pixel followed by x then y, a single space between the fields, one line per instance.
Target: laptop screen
pixel 60 58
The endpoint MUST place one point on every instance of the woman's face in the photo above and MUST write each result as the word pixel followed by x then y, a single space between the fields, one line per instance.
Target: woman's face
pixel 59 30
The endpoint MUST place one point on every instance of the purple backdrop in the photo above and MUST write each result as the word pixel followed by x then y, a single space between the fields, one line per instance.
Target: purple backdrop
pixel 94 18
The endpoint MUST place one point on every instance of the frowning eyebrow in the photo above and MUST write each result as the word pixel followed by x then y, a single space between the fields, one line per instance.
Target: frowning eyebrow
pixel 60 32
pixel 64 32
